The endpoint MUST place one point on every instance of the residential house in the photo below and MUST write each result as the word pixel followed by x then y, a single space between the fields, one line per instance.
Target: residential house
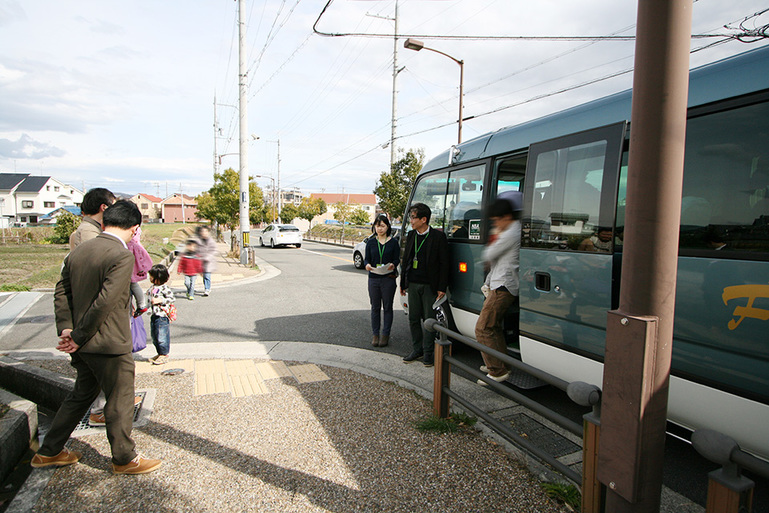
pixel 179 208
pixel 367 201
pixel 51 217
pixel 26 199
pixel 149 206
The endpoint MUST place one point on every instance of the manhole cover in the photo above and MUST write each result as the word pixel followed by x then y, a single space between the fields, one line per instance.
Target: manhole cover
pixel 172 372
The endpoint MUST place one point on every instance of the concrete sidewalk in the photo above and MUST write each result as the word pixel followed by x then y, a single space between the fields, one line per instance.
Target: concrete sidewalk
pixel 291 426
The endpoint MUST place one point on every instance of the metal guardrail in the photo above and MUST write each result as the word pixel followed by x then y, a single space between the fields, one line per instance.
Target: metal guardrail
pixel 582 393
pixel 728 490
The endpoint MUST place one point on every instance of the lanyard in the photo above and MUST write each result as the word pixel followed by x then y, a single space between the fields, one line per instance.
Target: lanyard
pixel 381 251
pixel 416 249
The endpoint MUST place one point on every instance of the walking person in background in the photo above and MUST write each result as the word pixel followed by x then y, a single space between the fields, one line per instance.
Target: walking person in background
pixel 161 300
pixel 94 203
pixel 92 304
pixel 190 265
pixel 382 258
pixel 502 257
pixel 207 252
pixel 425 277
pixel 142 264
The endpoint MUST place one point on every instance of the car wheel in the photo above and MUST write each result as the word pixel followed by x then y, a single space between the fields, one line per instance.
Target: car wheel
pixel 261 242
pixel 272 243
pixel 357 259
pixel 298 246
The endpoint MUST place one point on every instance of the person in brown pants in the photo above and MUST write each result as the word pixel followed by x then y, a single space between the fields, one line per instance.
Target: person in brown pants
pixel 502 256
pixel 92 307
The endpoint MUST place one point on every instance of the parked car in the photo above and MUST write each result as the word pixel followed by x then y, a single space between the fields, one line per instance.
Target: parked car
pixel 281 235
pixel 359 251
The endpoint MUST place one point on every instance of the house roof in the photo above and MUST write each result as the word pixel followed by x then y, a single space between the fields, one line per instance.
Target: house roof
pixel 72 209
pixel 10 180
pixel 33 184
pixel 362 199
pixel 175 199
pixel 153 199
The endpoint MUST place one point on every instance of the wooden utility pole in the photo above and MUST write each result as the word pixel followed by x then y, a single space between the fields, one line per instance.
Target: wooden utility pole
pixel 639 334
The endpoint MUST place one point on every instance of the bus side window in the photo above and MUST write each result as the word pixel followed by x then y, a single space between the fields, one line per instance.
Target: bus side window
pixel 463 203
pixel 571 184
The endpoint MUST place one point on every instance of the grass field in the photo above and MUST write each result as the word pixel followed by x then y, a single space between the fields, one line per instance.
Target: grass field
pixel 28 266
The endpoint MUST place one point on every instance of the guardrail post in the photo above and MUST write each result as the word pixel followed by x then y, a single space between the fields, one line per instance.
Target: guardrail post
pixel 593 491
pixel 442 377
pixel 728 490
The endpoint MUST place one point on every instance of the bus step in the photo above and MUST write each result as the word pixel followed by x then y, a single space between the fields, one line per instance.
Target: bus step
pixel 524 381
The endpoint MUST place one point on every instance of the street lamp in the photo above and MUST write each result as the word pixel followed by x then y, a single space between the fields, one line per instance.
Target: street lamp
pixel 273 193
pixel 416 45
pixel 256 137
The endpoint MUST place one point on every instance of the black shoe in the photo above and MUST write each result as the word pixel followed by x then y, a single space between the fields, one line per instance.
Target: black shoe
pixel 428 360
pixel 412 357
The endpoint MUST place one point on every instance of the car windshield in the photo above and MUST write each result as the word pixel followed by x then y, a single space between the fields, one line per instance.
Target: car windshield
pixel 289 228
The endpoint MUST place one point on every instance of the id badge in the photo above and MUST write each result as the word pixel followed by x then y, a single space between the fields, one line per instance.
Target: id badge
pixel 415 264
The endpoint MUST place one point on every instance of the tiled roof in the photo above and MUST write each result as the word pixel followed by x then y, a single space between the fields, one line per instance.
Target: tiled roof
pixel 33 183
pixel 10 180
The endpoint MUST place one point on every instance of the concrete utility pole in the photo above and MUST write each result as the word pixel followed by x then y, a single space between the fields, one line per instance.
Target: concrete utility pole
pixel 394 122
pixel 245 222
pixel 639 334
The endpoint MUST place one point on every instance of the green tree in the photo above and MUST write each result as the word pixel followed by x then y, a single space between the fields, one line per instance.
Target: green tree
pixel 342 211
pixel 221 203
pixel 394 187
pixel 66 223
pixel 310 208
pixel 359 216
pixel 289 213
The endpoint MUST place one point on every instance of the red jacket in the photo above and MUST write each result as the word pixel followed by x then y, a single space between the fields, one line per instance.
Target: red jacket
pixel 190 266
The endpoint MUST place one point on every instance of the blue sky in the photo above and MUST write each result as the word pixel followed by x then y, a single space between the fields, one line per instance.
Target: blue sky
pixel 121 94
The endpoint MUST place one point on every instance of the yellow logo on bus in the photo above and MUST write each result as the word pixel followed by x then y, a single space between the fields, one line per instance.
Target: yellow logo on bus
pixel 751 293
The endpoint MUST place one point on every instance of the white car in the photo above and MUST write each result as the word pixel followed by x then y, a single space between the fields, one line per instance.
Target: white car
pixel 281 235
pixel 359 251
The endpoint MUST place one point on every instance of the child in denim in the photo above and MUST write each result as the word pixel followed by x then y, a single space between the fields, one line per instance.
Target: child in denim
pixel 161 298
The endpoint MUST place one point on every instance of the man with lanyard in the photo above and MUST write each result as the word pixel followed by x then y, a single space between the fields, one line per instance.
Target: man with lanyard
pixel 425 278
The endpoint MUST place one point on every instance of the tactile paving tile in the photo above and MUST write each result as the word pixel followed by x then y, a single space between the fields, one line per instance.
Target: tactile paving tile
pixel 244 378
pixel 308 373
pixel 273 370
pixel 211 377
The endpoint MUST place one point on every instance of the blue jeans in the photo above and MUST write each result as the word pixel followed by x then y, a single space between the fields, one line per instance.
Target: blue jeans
pixel 161 334
pixel 381 292
pixel 207 281
pixel 189 282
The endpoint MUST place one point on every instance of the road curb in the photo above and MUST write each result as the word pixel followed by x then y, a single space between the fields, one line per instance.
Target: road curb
pixel 41 386
pixel 18 427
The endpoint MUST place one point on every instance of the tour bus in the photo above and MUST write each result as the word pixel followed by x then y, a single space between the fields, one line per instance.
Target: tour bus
pixel 572 169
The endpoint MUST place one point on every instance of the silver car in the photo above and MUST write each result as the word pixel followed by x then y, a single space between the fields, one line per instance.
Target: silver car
pixel 281 235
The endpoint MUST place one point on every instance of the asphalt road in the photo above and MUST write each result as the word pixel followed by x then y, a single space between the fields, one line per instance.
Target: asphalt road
pixel 319 296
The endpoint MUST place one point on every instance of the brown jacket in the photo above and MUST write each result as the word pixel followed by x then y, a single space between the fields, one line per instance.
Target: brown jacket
pixel 93 296
pixel 88 229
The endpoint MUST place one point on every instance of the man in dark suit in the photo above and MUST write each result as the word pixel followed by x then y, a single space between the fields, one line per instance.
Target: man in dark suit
pixel 425 278
pixel 92 307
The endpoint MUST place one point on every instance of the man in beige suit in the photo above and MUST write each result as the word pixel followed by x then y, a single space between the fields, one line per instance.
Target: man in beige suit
pixel 92 307
pixel 94 203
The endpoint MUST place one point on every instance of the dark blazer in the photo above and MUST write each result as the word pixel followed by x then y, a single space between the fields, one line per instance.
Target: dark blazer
pixel 436 247
pixel 92 297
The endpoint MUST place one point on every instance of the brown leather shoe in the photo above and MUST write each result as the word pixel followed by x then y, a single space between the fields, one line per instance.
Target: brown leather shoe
pixel 138 465
pixel 375 341
pixel 384 340
pixel 65 457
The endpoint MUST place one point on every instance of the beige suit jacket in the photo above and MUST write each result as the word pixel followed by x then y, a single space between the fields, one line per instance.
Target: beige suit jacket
pixel 93 299
pixel 88 229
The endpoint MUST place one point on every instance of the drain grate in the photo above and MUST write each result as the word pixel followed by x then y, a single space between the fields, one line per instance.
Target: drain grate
pixel 142 411
pixel 542 436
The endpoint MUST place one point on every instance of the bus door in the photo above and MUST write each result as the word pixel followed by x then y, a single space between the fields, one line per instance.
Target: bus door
pixel 568 238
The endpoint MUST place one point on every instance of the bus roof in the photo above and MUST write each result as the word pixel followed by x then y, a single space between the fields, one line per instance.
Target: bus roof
pixel 734 76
